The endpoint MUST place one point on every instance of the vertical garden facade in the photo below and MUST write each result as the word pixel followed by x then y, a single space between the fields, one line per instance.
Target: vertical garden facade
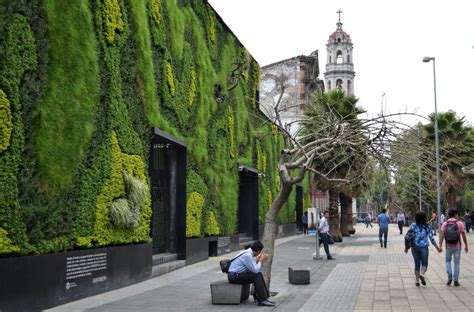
pixel 82 86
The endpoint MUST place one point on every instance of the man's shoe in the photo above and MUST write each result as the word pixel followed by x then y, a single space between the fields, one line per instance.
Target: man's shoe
pixel 456 284
pixel 266 303
pixel 450 280
pixel 423 281
pixel 331 258
pixel 381 245
pixel 384 246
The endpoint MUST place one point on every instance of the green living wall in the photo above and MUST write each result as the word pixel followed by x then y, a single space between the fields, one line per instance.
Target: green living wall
pixel 83 82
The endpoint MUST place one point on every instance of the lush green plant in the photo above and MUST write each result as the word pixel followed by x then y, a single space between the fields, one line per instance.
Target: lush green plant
pixel 6 245
pixel 6 125
pixel 194 207
pixel 76 110
pixel 120 213
pixel 67 110
pixel 211 227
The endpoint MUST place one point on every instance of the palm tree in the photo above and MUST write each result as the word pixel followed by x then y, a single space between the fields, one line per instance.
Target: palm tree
pixel 343 108
pixel 456 146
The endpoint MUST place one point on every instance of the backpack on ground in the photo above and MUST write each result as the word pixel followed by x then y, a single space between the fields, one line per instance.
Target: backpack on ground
pixel 451 232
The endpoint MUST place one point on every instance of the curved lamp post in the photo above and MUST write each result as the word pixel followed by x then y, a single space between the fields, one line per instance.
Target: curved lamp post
pixel 428 59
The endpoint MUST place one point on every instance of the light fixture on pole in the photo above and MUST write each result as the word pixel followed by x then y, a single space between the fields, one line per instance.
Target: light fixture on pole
pixel 428 59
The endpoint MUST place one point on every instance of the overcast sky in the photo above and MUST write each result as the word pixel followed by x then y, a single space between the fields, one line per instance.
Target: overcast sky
pixel 390 39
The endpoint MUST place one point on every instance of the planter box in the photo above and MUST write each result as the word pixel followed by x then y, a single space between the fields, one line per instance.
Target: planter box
pixel 33 283
pixel 197 249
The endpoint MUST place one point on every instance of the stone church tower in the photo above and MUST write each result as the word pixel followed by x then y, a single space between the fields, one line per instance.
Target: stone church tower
pixel 339 65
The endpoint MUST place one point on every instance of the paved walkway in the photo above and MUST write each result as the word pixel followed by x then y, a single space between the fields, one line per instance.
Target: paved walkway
pixel 364 277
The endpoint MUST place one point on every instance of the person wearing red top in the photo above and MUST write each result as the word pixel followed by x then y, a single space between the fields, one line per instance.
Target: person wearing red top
pixel 453 249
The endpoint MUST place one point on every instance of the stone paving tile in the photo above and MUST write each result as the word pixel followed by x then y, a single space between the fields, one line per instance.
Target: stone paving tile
pixel 364 277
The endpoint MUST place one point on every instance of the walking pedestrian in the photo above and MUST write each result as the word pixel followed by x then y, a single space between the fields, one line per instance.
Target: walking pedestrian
pixel 419 246
pixel 434 222
pixel 304 222
pixel 467 221
pixel 442 217
pixel 368 221
pixel 401 221
pixel 452 230
pixel 383 220
pixel 323 228
pixel 472 218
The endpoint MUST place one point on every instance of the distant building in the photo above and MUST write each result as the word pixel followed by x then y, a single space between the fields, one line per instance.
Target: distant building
pixel 339 67
pixel 300 75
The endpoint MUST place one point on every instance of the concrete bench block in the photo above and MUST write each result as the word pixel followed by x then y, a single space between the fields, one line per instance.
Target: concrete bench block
pixel 223 292
pixel 298 277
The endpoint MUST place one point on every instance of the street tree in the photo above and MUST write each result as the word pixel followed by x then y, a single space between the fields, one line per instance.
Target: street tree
pixel 321 136
pixel 456 151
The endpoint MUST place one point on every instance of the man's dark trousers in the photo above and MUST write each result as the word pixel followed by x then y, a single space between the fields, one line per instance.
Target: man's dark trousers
pixel 248 278
pixel 383 232
pixel 325 238
pixel 400 226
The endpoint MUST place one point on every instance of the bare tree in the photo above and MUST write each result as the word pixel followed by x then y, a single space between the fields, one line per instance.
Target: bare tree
pixel 323 137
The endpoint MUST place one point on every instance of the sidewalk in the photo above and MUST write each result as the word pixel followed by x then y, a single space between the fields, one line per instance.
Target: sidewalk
pixel 364 277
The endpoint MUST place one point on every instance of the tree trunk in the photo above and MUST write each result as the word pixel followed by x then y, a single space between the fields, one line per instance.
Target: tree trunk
pixel 270 230
pixel 334 215
pixel 344 200
pixel 451 198
pixel 350 224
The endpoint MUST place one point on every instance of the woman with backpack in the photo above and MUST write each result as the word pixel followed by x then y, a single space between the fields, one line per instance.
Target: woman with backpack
pixel 418 236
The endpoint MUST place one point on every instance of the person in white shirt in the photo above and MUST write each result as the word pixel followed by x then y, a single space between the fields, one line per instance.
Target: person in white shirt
pixel 323 228
pixel 245 269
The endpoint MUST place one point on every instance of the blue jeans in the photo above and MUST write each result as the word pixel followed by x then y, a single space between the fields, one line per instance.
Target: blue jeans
pixel 434 227
pixel 383 232
pixel 450 252
pixel 420 255
pixel 325 237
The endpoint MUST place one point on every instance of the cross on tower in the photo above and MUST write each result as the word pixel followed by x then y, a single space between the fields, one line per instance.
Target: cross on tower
pixel 339 12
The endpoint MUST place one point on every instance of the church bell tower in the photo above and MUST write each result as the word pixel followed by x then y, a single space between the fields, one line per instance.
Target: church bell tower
pixel 339 65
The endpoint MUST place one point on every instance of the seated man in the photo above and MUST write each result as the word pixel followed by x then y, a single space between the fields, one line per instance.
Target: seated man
pixel 245 269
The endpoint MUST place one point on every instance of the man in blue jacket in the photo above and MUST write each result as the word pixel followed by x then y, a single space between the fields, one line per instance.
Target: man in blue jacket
pixel 383 220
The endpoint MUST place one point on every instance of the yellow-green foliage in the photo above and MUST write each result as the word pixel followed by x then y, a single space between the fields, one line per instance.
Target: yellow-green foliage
pixel 269 199
pixel 170 78
pixel 211 226
pixel 212 27
pixel 277 180
pixel 6 125
pixel 194 206
pixel 105 233
pixel 112 18
pixel 6 245
pixel 261 158
pixel 156 11
pixel 192 88
pixel 307 200
pixel 231 130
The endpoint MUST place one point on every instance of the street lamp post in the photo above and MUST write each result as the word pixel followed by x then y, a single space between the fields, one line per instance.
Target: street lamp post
pixel 419 171
pixel 427 59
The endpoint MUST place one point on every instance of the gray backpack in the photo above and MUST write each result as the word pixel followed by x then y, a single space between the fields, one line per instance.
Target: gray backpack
pixel 451 232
